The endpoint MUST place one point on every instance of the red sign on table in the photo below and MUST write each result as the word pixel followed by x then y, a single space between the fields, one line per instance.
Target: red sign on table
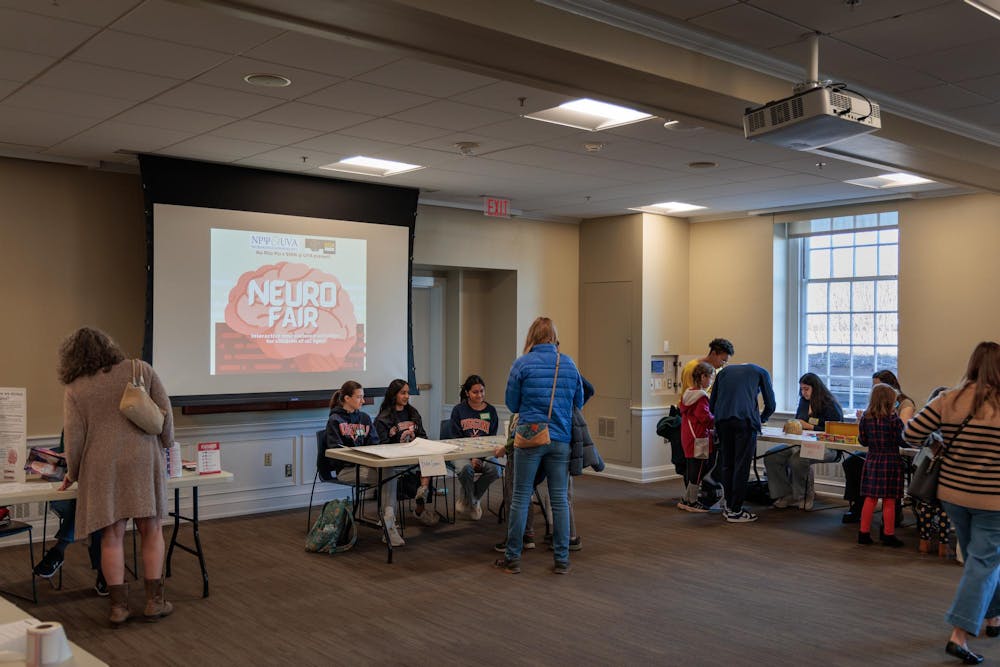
pixel 496 208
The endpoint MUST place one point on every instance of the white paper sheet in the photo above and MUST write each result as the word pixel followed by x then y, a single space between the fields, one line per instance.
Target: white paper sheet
pixel 416 447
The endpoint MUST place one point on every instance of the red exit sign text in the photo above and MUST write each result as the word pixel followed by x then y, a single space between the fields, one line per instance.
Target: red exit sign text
pixel 496 208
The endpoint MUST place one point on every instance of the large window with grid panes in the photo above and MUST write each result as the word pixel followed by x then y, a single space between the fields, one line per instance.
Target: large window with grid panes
pixel 844 301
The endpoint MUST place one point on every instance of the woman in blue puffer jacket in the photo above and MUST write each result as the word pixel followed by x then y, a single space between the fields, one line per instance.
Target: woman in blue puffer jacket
pixel 542 380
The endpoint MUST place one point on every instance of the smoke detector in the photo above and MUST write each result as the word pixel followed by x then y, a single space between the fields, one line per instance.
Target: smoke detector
pixel 466 148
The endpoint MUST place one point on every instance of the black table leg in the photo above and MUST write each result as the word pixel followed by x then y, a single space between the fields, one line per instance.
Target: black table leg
pixel 193 520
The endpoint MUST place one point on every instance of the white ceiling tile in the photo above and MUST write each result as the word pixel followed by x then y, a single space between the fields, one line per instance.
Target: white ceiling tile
pixel 344 146
pixel 45 98
pixel 21 65
pixel 174 22
pixel 311 117
pixel 47 36
pixel 944 97
pixel 252 130
pixel 98 80
pixel 216 100
pixel 230 75
pixel 217 148
pixel 292 157
pixel 425 157
pixel 761 153
pixel 425 78
pixel 447 143
pixel 829 17
pixel 320 55
pixel 934 29
pixel 172 118
pixel 114 135
pixel 398 132
pixel 150 56
pixel 366 98
pixel 7 87
pixel 832 168
pixel 83 11
pixel 987 114
pixel 576 163
pixel 974 59
pixel 451 115
pixel 751 26
pixel 38 128
pixel 505 96
pixel 843 62
pixel 987 86
pixel 525 130
pixel 260 163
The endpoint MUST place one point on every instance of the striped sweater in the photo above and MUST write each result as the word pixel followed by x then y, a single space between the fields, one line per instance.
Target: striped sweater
pixel 970 470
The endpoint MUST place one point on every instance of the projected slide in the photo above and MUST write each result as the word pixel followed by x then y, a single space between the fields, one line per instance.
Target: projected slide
pixel 285 303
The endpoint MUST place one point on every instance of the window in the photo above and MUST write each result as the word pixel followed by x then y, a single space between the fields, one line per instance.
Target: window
pixel 843 314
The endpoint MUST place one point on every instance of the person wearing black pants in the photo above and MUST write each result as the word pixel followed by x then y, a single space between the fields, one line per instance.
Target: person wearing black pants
pixel 737 422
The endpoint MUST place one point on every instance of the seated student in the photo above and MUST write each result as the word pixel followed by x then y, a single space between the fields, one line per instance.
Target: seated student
pixel 787 472
pixel 398 421
pixel 54 557
pixel 348 426
pixel 474 417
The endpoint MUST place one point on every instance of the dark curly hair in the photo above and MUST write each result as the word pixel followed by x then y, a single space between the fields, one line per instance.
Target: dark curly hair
pixel 85 352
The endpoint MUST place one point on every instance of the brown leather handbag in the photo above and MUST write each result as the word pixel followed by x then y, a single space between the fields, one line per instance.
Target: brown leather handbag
pixel 527 436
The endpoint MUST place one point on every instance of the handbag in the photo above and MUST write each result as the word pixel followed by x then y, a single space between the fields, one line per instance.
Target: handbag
pixel 527 436
pixel 700 444
pixel 138 407
pixel 927 470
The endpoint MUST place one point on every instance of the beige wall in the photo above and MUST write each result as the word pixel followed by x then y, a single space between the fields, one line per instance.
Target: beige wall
pixel 489 337
pixel 545 256
pixel 72 253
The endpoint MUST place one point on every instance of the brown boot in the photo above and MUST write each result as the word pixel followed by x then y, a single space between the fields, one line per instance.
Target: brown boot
pixel 119 604
pixel 156 606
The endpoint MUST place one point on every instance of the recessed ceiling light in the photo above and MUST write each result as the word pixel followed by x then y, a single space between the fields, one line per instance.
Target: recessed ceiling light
pixel 889 181
pixel 268 80
pixel 668 208
pixel 370 166
pixel 591 115
pixel 991 7
pixel 703 164
pixel 681 126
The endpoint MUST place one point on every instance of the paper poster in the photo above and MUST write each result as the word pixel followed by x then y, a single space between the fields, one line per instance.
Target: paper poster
pixel 286 303
pixel 13 433
pixel 813 450
pixel 432 466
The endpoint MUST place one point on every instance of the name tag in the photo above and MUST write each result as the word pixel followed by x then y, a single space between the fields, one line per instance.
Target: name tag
pixel 814 421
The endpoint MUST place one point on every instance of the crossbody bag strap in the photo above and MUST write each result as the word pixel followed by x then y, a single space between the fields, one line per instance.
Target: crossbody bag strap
pixel 135 382
pixel 944 447
pixel 552 399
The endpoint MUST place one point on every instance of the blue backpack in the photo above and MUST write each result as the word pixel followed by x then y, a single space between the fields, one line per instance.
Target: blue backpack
pixel 334 530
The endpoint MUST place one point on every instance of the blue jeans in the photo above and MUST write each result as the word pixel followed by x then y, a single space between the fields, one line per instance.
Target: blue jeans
pixel 66 511
pixel 554 458
pixel 977 596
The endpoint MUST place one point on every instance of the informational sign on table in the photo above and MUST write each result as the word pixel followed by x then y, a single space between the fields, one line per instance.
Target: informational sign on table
pixel 209 458
pixel 13 433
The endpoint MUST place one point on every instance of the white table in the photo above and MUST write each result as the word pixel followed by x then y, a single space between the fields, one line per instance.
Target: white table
pixel 468 448
pixel 10 613
pixel 775 435
pixel 34 492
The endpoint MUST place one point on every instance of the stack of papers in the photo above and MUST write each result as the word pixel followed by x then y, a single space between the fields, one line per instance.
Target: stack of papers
pixel 417 447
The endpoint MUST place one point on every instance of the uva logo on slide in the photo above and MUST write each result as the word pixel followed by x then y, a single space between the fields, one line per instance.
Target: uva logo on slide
pixel 293 311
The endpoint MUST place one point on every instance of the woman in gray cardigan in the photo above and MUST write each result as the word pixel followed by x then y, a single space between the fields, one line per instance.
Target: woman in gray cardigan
pixel 119 467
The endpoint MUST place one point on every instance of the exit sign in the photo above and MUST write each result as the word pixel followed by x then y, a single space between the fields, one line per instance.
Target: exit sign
pixel 496 208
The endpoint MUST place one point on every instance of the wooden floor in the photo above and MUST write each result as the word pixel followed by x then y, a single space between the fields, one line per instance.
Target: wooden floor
pixel 652 585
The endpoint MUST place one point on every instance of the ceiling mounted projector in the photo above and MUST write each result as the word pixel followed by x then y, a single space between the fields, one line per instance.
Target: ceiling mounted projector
pixel 818 114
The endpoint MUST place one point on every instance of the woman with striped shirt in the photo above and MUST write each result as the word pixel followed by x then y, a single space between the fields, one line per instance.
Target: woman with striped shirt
pixel 969 489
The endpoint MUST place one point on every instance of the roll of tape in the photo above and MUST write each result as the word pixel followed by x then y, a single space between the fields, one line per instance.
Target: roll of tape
pixel 47 645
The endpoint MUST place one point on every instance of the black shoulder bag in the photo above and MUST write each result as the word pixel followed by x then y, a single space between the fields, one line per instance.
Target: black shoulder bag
pixel 924 481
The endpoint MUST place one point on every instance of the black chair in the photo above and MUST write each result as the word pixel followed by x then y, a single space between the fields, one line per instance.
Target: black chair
pixel 324 472
pixel 446 430
pixel 16 528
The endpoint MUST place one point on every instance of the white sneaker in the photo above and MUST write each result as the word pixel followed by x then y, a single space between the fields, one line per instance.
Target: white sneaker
pixel 476 512
pixel 783 502
pixel 421 494
pixel 428 517
pixel 389 520
pixel 461 507
pixel 743 516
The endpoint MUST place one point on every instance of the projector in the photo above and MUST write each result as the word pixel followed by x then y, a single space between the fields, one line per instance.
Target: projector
pixel 813 118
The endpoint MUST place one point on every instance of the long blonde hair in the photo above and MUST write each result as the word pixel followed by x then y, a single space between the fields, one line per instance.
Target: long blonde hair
pixel 542 330
pixel 984 372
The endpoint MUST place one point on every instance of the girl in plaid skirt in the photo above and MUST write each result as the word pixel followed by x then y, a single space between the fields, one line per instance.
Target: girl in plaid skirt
pixel 881 431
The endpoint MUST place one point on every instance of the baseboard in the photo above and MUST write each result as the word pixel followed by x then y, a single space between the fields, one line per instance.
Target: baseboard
pixel 638 475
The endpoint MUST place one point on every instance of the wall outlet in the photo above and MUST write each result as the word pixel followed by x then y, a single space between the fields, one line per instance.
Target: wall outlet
pixel 267 459
pixel 288 470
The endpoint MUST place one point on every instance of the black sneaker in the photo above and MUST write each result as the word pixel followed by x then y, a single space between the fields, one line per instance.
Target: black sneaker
pixel 101 586
pixel 527 543
pixel 49 565
pixel 561 567
pixel 575 544
pixel 508 566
